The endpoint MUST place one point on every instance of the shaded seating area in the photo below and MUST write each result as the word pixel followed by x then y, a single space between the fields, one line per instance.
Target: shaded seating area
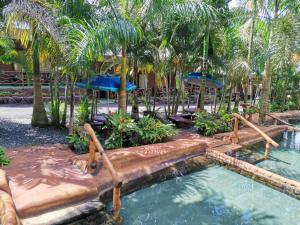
pixel 109 83
pixel 183 120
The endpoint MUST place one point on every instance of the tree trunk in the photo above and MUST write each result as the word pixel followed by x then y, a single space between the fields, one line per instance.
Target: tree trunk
pixel 39 115
pixel 135 106
pixel 229 100
pixel 122 92
pixel 267 75
pixel 179 96
pixel 64 116
pixel 72 83
pixel 201 99
pixel 250 48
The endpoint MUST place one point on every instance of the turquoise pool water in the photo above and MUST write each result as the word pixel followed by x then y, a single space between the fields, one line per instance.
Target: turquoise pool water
pixel 216 196
pixel 213 196
pixel 285 160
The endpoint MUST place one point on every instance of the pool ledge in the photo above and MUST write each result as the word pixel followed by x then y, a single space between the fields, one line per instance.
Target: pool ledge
pixel 51 181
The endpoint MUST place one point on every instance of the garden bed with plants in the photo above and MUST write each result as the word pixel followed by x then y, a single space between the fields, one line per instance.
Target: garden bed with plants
pixel 209 124
pixel 120 131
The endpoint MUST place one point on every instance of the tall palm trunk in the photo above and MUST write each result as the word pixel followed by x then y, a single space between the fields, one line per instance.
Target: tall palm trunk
pixel 39 115
pixel 250 49
pixel 267 74
pixel 122 92
pixel 64 116
pixel 201 98
pixel 72 99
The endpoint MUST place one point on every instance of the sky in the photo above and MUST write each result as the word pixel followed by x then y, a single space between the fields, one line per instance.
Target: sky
pixel 234 3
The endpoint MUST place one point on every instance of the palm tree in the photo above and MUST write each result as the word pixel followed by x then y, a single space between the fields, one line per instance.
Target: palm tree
pixel 111 30
pixel 278 12
pixel 36 17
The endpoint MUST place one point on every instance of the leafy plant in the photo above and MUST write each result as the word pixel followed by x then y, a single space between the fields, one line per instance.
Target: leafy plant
pixel 79 140
pixel 153 131
pixel 122 129
pixel 4 160
pixel 56 111
pixel 125 132
pixel 83 112
pixel 209 124
pixel 250 111
pixel 277 107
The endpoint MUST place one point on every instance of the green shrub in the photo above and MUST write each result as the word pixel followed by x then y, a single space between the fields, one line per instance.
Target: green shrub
pixel 153 131
pixel 278 107
pixel 56 111
pixel 209 124
pixel 250 111
pixel 83 112
pixel 292 105
pixel 79 140
pixel 123 131
pixel 4 160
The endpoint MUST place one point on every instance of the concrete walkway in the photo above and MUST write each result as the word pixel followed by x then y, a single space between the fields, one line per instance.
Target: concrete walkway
pixel 46 177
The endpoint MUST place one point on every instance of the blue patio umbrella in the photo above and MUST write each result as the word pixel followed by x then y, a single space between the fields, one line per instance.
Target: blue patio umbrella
pixel 196 77
pixel 106 82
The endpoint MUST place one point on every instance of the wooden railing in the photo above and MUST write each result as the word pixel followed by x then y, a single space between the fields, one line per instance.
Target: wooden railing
pixel 95 145
pixel 269 141
pixel 275 118
pixel 8 212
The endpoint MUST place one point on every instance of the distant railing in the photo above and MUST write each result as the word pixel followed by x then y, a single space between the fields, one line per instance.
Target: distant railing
pixel 269 140
pixel 275 118
pixel 94 146
pixel 20 78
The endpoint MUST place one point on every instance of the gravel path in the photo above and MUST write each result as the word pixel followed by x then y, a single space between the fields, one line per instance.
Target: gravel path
pixel 16 131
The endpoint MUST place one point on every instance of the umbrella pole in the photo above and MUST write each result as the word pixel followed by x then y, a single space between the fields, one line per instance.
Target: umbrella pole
pixel 107 102
pixel 96 103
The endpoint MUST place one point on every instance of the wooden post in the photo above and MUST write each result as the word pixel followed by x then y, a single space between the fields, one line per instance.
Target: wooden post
pixel 268 150
pixel 92 161
pixel 263 134
pixel 250 117
pixel 117 200
pixel 235 130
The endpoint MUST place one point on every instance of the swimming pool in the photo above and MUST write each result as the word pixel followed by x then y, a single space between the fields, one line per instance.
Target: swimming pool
pixel 210 197
pixel 217 196
pixel 285 160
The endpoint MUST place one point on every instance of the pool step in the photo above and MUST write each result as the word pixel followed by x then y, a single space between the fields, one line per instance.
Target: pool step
pixel 67 214
pixel 247 155
pixel 227 148
pixel 285 185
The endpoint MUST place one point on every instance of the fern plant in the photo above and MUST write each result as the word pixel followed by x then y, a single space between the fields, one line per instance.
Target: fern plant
pixel 83 112
pixel 4 160
pixel 153 131
pixel 122 131
pixel 209 124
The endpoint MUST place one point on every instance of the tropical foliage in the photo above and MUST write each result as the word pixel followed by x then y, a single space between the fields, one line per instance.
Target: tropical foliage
pixel 124 131
pixel 153 131
pixel 83 111
pixel 79 141
pixel 209 124
pixel 4 160
pixel 253 48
